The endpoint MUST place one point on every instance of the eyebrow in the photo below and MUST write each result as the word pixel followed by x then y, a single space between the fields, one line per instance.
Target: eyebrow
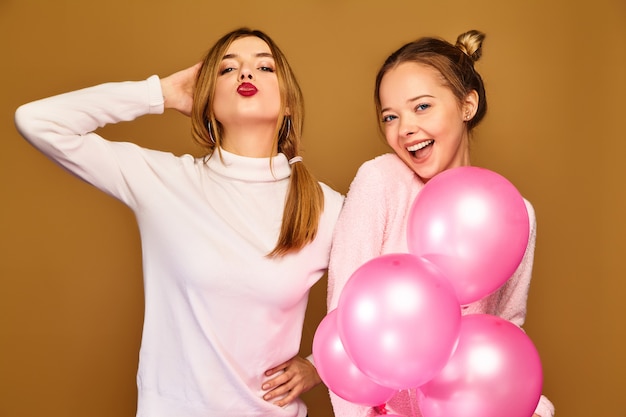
pixel 258 55
pixel 411 100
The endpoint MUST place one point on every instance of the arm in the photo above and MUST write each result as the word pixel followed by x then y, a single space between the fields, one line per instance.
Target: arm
pixel 513 297
pixel 360 230
pixel 358 237
pixel 298 375
pixel 62 127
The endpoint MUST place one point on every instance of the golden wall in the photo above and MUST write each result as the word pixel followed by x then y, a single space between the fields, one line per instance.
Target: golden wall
pixel 70 274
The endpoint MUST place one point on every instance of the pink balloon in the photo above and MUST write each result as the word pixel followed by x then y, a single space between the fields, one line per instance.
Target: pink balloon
pixel 473 225
pixel 338 372
pixel 398 319
pixel 494 372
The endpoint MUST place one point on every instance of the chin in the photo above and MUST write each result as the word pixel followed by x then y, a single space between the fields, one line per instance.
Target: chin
pixel 425 175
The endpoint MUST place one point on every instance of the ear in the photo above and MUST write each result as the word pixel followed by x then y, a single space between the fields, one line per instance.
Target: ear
pixel 470 105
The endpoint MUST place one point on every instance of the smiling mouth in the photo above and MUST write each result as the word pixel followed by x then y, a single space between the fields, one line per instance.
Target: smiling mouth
pixel 414 149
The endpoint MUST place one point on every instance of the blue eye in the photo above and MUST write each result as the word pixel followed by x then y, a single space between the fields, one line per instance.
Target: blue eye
pixel 388 118
pixel 422 107
pixel 267 69
pixel 226 70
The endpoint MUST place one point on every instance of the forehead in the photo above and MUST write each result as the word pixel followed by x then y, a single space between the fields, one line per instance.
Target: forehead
pixel 249 45
pixel 411 73
pixel 410 79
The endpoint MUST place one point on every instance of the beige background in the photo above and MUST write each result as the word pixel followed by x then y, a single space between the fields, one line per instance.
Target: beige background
pixel 70 289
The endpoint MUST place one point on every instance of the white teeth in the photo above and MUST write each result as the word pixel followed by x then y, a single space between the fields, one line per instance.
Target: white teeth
pixel 420 145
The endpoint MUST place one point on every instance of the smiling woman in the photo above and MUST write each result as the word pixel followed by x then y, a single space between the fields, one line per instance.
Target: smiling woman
pixel 422 119
pixel 232 241
pixel 428 98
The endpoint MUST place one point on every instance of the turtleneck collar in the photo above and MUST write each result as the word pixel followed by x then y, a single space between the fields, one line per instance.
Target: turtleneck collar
pixel 245 168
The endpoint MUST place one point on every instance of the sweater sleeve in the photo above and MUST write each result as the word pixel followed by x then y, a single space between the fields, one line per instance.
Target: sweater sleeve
pixel 514 295
pixel 361 221
pixel 62 127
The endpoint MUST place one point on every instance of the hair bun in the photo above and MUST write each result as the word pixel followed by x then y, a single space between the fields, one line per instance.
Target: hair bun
pixel 471 43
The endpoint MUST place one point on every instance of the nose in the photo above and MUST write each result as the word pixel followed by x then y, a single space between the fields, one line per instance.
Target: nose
pixel 245 73
pixel 408 127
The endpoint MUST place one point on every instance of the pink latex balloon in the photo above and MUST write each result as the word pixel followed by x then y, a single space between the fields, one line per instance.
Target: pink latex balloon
pixel 338 372
pixel 494 372
pixel 398 319
pixel 473 225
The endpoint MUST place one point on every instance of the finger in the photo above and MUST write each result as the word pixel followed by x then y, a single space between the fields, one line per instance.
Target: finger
pixel 276 382
pixel 281 367
pixel 285 394
pixel 279 391
pixel 288 399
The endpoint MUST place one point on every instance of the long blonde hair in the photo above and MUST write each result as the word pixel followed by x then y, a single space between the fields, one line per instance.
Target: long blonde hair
pixel 305 200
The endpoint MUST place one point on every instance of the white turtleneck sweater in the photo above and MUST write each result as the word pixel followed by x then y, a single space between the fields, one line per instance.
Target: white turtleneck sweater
pixel 218 312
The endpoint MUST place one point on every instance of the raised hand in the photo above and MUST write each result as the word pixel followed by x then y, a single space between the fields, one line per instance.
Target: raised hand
pixel 178 89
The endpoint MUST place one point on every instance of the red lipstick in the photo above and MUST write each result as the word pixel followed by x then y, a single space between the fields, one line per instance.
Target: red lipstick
pixel 247 89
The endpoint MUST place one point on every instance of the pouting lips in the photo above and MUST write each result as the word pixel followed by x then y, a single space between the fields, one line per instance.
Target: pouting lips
pixel 247 89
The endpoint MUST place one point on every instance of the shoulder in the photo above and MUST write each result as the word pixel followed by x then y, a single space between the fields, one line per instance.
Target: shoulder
pixel 330 193
pixel 155 155
pixel 388 163
pixel 333 200
pixel 155 163
pixel 385 174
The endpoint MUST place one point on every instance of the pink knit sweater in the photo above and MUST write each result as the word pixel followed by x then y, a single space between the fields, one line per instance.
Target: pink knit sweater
pixel 373 222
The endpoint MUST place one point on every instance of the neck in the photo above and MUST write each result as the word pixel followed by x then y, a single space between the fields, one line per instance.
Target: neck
pixel 462 157
pixel 253 142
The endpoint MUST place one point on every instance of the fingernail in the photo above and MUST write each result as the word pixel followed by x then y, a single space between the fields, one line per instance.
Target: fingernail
pixel 265 386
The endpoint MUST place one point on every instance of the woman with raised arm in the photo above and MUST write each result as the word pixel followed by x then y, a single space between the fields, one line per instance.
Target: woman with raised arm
pixel 232 241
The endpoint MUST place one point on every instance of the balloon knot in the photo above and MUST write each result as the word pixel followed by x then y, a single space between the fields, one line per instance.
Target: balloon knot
pixel 380 409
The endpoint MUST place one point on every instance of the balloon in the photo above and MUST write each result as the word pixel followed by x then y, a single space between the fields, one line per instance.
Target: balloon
pixel 473 225
pixel 398 319
pixel 339 374
pixel 494 372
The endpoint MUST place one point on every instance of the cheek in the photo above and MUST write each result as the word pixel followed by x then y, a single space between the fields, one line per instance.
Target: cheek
pixel 450 124
pixel 391 134
pixel 276 92
pixel 220 93
pixel 453 130
pixel 392 142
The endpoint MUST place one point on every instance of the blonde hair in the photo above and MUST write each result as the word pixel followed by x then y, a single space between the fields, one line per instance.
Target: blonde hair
pixel 305 200
pixel 455 63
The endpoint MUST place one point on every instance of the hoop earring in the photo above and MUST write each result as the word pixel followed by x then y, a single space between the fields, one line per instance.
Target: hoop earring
pixel 208 125
pixel 288 126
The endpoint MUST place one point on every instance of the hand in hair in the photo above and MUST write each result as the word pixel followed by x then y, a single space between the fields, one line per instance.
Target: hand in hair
pixel 178 89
